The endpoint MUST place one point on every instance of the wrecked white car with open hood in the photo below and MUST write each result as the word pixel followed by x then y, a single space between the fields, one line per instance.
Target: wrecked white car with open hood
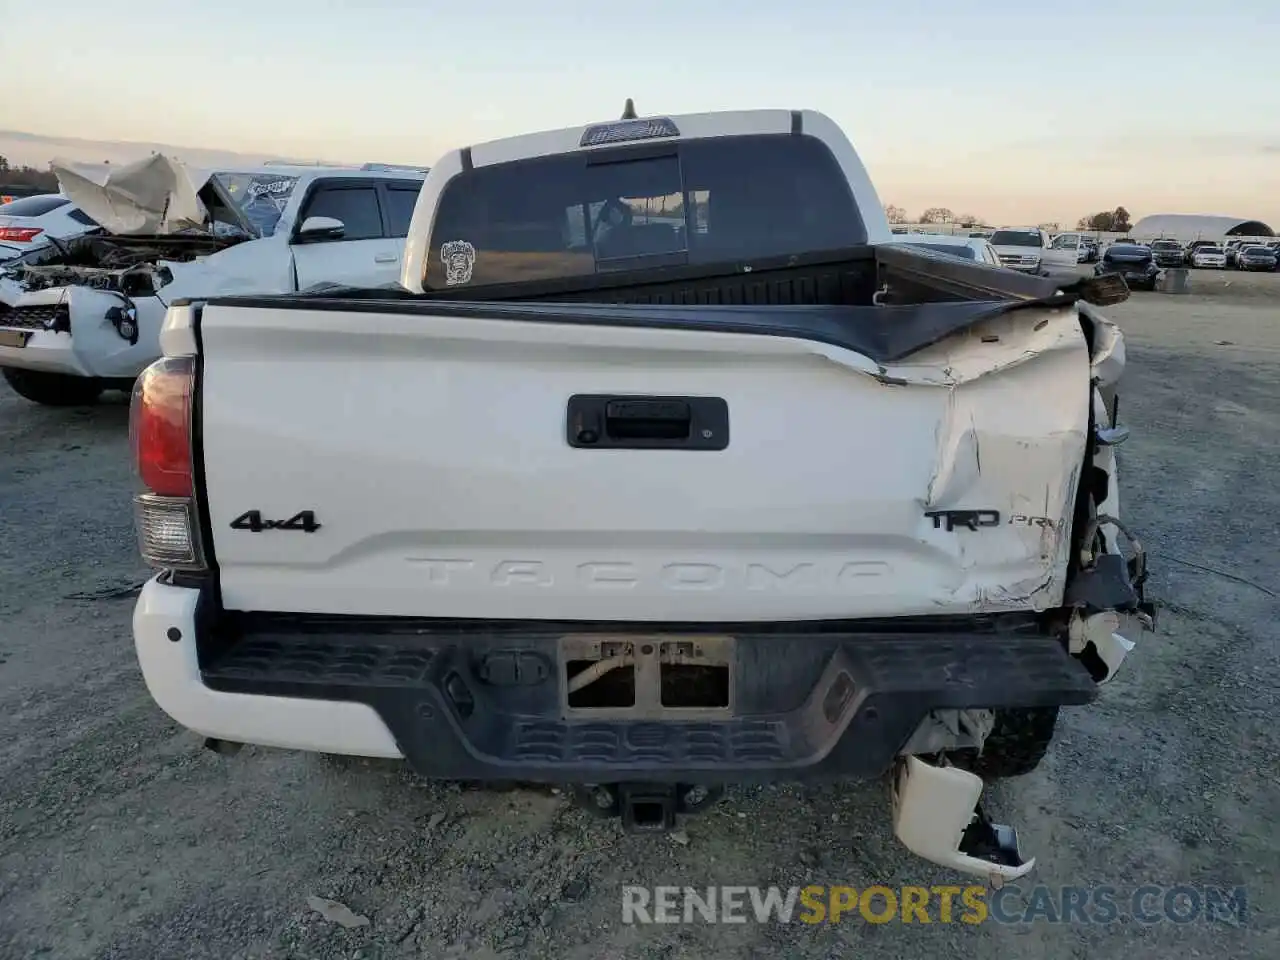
pixel 83 315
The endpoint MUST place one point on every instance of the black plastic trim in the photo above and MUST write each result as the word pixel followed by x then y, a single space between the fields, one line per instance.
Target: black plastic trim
pixel 797 123
pixel 207 580
pixel 883 334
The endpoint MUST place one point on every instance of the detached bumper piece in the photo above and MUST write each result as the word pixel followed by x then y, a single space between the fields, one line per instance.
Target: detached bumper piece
pixel 936 816
pixel 488 702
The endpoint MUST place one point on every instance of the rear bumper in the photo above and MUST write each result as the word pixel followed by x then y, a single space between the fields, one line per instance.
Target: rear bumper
pixel 810 704
pixel 1130 274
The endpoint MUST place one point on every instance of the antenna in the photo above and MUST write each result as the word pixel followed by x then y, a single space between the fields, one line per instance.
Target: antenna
pixel 629 111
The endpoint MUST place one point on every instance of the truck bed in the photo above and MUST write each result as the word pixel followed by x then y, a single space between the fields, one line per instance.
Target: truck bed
pixel 925 297
pixel 835 278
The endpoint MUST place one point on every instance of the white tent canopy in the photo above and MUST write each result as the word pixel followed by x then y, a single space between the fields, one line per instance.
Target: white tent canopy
pixel 1186 227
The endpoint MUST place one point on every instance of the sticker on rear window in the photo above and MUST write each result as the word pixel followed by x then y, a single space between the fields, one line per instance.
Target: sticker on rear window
pixel 459 259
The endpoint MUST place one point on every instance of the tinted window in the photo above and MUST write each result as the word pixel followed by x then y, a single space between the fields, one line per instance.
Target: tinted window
pixel 79 216
pixel 32 206
pixel 400 203
pixel 715 200
pixel 356 207
pixel 1015 238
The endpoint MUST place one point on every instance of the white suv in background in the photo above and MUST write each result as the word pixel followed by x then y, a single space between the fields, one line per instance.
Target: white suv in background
pixel 1209 257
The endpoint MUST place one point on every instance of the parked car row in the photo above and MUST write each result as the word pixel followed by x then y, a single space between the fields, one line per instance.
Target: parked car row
pixel 1234 254
pixel 1253 255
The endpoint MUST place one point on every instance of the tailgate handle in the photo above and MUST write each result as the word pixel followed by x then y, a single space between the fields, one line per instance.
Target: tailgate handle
pixel 602 421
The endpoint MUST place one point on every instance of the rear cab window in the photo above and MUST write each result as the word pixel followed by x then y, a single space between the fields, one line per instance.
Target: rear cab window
pixel 696 201
pixel 401 198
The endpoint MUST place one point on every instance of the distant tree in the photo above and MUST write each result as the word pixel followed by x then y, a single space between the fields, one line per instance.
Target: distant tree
pixel 895 214
pixel 1108 221
pixel 969 220
pixel 937 215
pixel 25 176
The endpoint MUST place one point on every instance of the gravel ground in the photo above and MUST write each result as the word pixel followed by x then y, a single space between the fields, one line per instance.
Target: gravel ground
pixel 120 837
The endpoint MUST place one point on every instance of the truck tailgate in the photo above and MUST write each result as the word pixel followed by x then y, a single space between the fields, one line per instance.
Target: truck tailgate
pixel 433 452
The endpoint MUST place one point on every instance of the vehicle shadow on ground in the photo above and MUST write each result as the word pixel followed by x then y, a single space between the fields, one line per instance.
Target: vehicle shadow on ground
pixel 27 427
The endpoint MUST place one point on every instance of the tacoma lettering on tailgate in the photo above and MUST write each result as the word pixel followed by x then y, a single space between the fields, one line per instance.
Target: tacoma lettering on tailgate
pixel 618 574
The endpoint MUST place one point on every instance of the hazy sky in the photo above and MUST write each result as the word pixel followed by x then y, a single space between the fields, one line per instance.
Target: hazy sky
pixel 1016 111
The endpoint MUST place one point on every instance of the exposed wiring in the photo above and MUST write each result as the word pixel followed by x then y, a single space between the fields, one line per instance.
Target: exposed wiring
pixel 1219 573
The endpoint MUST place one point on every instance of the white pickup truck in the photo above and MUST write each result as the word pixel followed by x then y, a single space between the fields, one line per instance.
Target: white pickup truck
pixel 668 470
pixel 82 315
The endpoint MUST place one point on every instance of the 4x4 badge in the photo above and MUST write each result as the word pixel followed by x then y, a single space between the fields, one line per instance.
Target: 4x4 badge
pixel 253 521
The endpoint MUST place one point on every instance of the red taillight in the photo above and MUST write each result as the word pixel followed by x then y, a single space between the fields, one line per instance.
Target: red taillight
pixel 20 234
pixel 160 426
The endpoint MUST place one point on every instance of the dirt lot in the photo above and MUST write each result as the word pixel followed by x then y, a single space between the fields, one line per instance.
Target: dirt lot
pixel 120 837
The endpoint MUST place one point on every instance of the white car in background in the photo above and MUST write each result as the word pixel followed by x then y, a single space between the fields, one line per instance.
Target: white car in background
pixel 85 316
pixel 31 222
pixel 1209 257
